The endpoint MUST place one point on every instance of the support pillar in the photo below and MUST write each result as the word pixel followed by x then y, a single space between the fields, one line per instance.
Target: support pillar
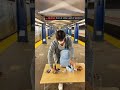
pixel 70 32
pixel 67 30
pixel 98 34
pixel 21 21
pixel 32 14
pixel 49 33
pixel 44 33
pixel 76 33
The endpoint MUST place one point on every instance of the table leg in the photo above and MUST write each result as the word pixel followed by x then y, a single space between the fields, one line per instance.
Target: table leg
pixel 46 87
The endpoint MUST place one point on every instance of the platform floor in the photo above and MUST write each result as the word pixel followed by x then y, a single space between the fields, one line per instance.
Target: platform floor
pixel 41 60
pixel 107 64
pixel 15 64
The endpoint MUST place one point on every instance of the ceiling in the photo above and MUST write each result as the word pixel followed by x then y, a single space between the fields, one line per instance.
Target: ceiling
pixel 60 8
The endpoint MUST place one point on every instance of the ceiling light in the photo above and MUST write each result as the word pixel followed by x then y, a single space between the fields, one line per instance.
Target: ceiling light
pixel 38 20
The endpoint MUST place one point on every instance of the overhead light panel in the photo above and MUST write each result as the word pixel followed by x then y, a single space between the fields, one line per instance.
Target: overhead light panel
pixel 81 21
pixel 38 20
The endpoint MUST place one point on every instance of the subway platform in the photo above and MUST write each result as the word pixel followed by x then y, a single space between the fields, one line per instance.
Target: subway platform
pixel 41 60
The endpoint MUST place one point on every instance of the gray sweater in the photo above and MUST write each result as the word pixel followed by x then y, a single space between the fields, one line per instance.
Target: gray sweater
pixel 54 51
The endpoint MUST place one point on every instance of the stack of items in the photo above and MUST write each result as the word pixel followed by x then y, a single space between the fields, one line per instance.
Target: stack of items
pixel 55 71
pixel 73 67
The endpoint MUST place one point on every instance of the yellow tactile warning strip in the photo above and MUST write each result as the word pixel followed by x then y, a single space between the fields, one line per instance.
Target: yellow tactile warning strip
pixel 4 44
pixel 115 42
pixel 79 42
pixel 112 40
pixel 40 42
pixel 37 44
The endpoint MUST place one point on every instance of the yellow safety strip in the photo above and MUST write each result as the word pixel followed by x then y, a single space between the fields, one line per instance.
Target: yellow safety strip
pixel 112 40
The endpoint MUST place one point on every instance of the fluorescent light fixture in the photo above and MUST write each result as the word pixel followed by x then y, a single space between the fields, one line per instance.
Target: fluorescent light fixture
pixel 60 21
pixel 38 24
pixel 81 24
pixel 47 24
pixel 38 20
pixel 81 21
pixel 72 24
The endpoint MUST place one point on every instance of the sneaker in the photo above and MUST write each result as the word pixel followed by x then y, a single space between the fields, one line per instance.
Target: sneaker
pixel 60 86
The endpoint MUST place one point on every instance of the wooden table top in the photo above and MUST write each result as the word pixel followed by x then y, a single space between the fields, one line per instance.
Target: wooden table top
pixel 63 77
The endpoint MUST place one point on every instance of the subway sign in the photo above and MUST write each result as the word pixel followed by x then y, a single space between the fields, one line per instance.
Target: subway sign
pixel 64 18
